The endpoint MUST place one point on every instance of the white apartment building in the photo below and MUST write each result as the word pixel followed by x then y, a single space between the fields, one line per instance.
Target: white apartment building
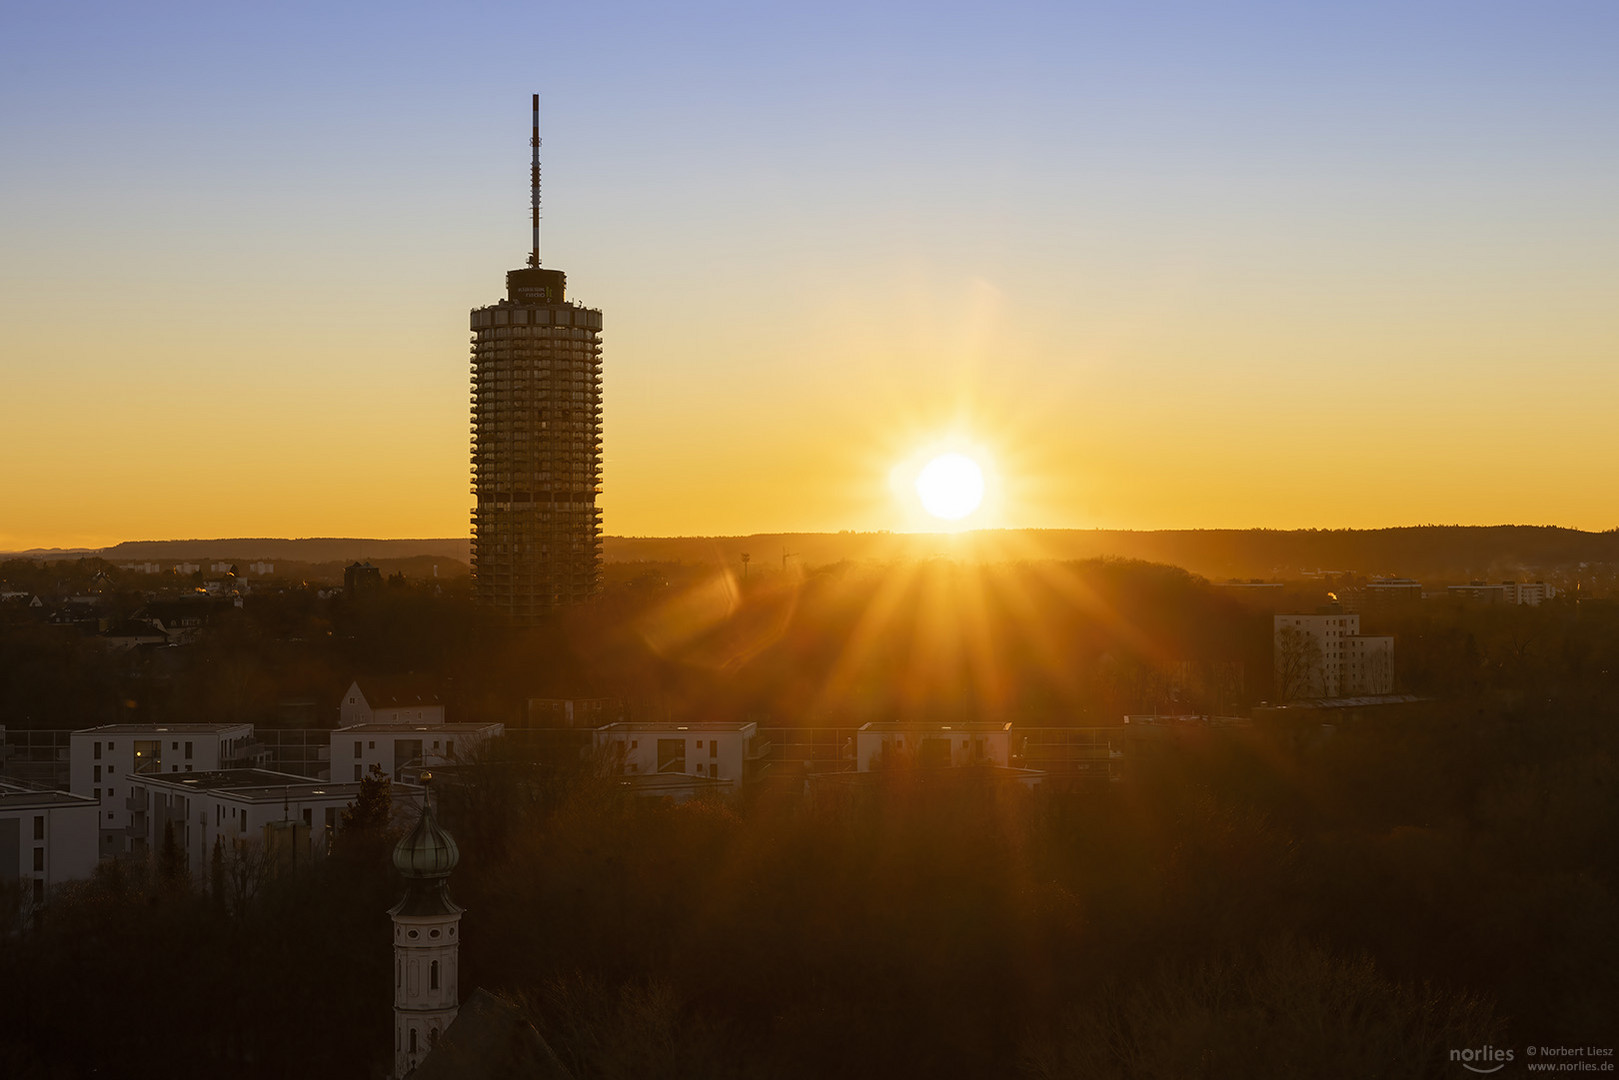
pixel 1531 593
pixel 389 747
pixel 724 751
pixel 238 805
pixel 1534 593
pixel 1326 656
pixel 46 837
pixel 1383 593
pixel 104 761
pixel 954 744
pixel 380 703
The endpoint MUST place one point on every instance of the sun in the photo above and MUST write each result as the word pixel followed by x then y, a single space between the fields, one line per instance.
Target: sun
pixel 951 486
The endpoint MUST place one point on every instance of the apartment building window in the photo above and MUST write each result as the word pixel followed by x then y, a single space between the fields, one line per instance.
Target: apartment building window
pixel 188 751
pixel 309 817
pixel 356 772
pixel 98 773
pixel 97 793
pixel 39 827
pixel 356 747
pixel 713 748
pixel 671 755
pixel 244 820
pixel 98 751
pixel 449 747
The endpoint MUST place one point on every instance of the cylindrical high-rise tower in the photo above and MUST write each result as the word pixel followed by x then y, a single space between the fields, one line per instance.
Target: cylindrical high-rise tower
pixel 536 442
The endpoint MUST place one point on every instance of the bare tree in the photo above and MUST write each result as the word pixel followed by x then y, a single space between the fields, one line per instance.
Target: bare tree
pixel 1299 669
pixel 240 869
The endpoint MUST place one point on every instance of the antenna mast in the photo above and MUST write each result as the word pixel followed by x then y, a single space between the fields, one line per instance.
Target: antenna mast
pixel 534 185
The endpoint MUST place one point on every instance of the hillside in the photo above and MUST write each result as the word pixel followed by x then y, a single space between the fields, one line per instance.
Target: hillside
pixel 1426 551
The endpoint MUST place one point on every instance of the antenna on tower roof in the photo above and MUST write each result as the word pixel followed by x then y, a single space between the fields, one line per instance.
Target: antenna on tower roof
pixel 534 185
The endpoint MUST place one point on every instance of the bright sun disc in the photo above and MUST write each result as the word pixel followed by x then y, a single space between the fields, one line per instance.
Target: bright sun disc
pixel 950 486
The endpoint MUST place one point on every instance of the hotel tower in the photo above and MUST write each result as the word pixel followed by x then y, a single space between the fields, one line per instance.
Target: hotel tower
pixel 536 439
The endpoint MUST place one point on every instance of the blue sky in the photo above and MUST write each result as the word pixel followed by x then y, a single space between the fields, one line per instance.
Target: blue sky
pixel 1401 213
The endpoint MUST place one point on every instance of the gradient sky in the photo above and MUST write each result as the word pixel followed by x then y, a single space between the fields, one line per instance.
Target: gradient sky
pixel 1158 264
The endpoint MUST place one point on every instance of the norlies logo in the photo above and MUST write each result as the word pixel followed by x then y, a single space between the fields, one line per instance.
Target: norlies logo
pixel 1484 1055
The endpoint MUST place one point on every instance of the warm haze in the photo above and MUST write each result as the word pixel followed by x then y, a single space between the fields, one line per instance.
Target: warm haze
pixel 1176 265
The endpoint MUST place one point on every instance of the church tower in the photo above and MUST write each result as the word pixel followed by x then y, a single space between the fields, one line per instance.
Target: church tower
pixel 426 994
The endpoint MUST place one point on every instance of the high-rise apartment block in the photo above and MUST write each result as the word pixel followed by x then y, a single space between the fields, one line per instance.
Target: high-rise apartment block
pixel 1326 656
pixel 536 440
pixel 1532 593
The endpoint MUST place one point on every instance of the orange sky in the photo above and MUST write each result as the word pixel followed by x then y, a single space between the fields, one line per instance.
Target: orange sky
pixel 1307 273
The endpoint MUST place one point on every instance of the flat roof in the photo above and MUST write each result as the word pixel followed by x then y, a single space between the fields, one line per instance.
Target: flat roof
pixel 21 795
pixel 969 726
pixel 259 785
pixel 1359 702
pixel 159 729
pixel 708 725
pixel 643 781
pixel 383 725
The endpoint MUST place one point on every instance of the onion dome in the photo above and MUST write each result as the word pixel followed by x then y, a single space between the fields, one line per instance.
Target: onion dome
pixel 427 851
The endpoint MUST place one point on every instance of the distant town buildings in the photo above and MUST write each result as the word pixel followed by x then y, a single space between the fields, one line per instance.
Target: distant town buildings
pixel 536 442
pixel 1383 594
pixel 1530 593
pixel 361 579
pixel 1326 656
pixel 1253 585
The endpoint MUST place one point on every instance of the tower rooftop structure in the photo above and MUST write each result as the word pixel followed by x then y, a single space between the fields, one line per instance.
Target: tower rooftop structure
pixel 425 857
pixel 536 439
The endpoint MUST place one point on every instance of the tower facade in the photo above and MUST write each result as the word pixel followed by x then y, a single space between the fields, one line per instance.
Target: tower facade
pixel 426 948
pixel 536 440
